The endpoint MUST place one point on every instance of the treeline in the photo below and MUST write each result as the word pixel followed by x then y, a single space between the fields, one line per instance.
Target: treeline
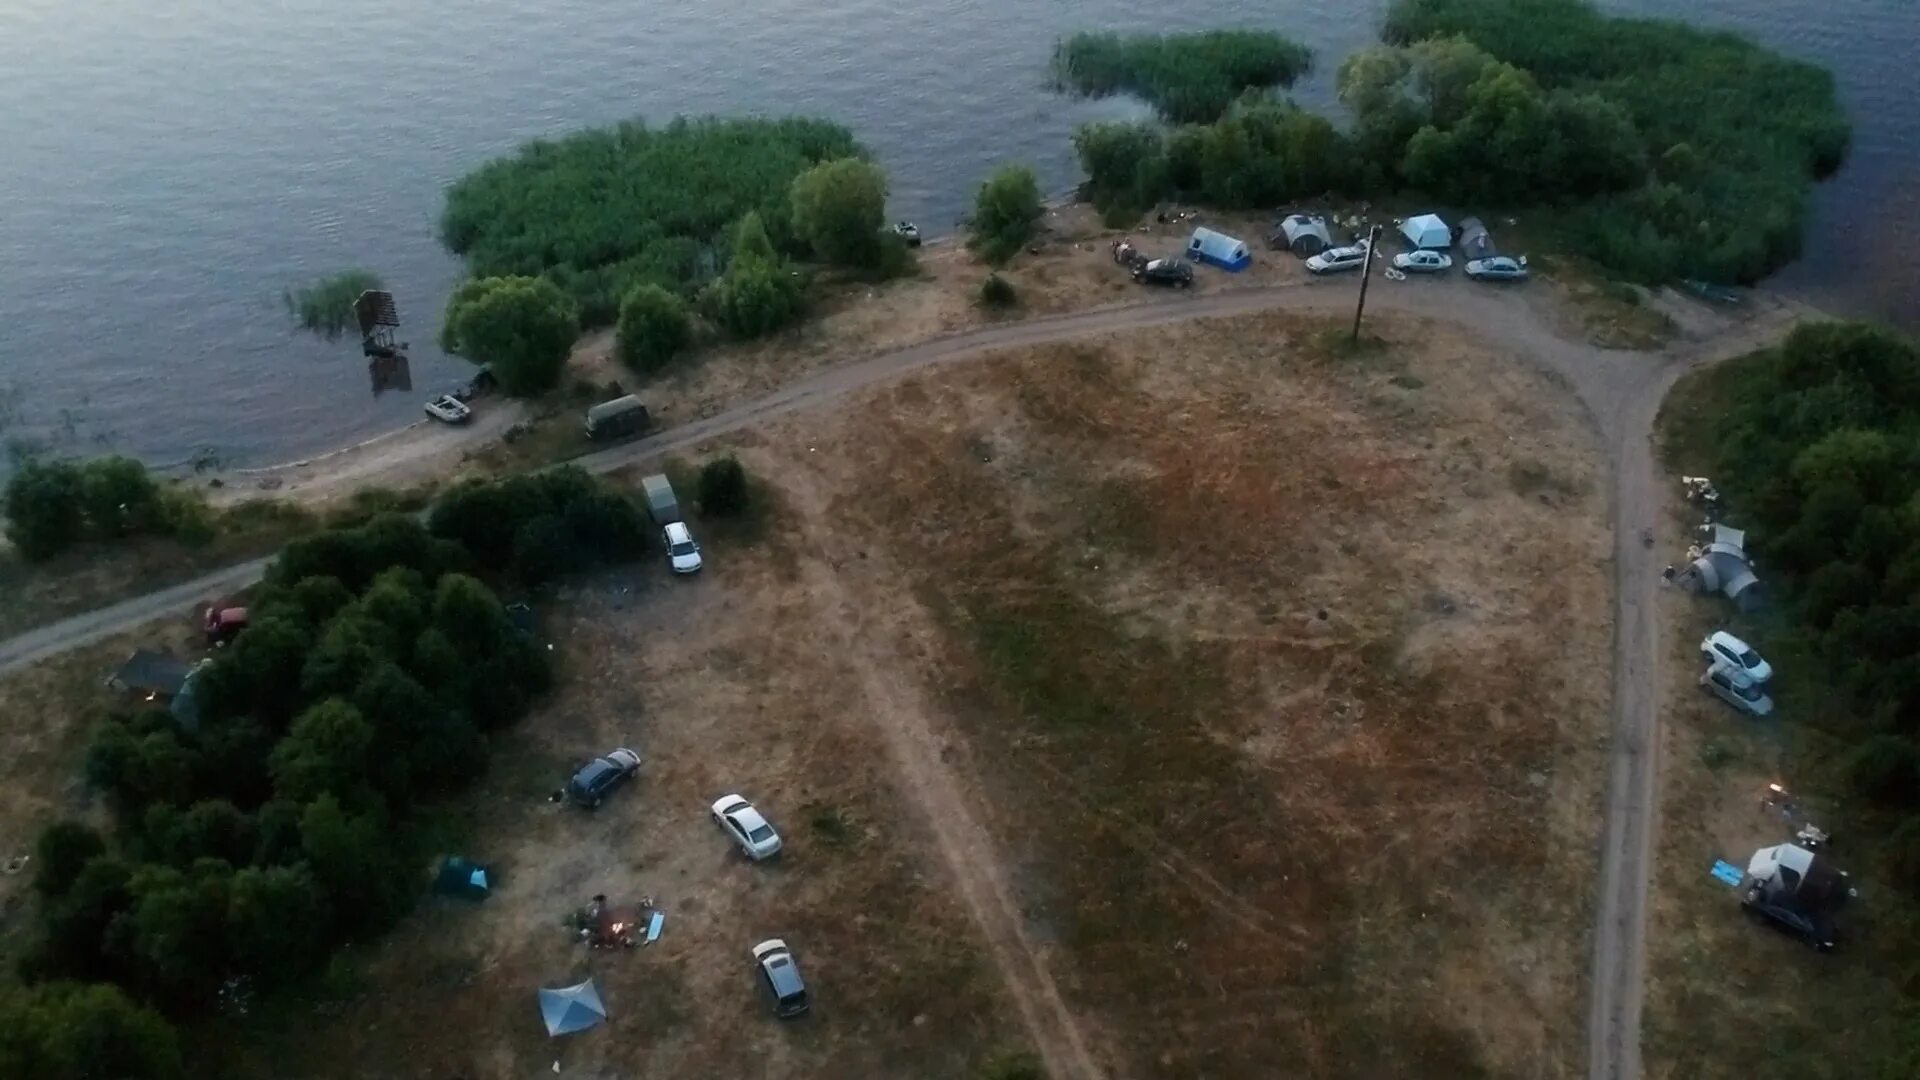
pixel 280 821
pixel 601 211
pixel 51 505
pixel 1663 150
pixel 1817 452
pixel 1188 78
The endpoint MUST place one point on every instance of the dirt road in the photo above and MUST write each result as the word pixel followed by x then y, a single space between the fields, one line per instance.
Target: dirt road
pixel 1621 392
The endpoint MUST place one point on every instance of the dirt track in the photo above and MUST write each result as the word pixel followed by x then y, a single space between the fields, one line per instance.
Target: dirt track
pixel 1621 391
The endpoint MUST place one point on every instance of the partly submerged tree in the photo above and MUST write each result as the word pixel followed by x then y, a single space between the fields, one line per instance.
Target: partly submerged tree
pixel 326 307
pixel 522 328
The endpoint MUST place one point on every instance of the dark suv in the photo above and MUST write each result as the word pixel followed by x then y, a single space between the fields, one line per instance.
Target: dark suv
pixel 1164 272
pixel 601 775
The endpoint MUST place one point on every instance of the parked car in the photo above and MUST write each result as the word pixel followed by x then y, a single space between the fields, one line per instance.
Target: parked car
pixel 596 778
pixel 223 624
pixel 1820 935
pixel 1721 647
pixel 1729 685
pixel 1334 260
pixel 746 828
pixel 908 231
pixel 682 553
pixel 1164 272
pixel 1422 262
pixel 449 409
pixel 781 978
pixel 1498 268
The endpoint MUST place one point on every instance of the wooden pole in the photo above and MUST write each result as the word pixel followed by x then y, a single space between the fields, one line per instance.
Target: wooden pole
pixel 1366 274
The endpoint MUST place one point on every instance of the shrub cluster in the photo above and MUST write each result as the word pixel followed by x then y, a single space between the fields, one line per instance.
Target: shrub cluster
pixel 604 210
pixel 53 505
pixel 539 526
pixel 521 328
pixel 654 329
pixel 723 487
pixel 761 292
pixel 1188 78
pixel 1004 210
pixel 1818 452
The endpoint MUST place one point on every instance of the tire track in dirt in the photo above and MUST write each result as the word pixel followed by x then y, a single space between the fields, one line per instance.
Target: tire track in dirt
pixel 900 713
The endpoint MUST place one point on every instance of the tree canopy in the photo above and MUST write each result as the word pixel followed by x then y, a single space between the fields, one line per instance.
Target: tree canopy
pixel 51 505
pixel 522 328
pixel 1004 210
pixel 654 329
pixel 838 209
pixel 601 211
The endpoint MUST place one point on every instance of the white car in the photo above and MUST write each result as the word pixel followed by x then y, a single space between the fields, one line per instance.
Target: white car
pixel 1422 262
pixel 1334 260
pixel 746 828
pixel 682 553
pixel 449 409
pixel 1498 268
pixel 1721 647
pixel 1736 689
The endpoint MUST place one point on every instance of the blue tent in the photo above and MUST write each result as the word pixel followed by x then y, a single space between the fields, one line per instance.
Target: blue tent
pixel 1218 249
pixel 572 1008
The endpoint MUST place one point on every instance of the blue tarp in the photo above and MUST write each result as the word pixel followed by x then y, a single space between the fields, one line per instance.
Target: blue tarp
pixel 572 1008
pixel 1727 873
pixel 1218 249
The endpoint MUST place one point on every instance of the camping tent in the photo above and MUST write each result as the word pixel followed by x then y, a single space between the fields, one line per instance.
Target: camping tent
pixel 464 878
pixel 1303 234
pixel 1723 566
pixel 1427 231
pixel 571 1008
pixel 152 673
pixel 1219 249
pixel 1474 241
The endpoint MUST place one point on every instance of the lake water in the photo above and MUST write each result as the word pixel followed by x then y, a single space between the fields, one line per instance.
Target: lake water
pixel 167 169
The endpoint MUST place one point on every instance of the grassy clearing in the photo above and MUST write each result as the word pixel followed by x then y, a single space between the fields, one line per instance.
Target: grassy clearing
pixel 1261 809
pixel 1188 78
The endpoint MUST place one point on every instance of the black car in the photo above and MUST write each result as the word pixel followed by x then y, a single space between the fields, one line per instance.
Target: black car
pixel 1815 932
pixel 601 775
pixel 1164 272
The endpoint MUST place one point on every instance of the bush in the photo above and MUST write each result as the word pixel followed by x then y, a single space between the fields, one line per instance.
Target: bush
pixel 487 518
pixel 723 487
pixel 326 307
pixel 52 505
pixel 654 329
pixel 1188 78
pixel 68 1031
pixel 838 209
pixel 521 328
pixel 997 292
pixel 63 850
pixel 1004 210
pixel 760 293
pixel 601 211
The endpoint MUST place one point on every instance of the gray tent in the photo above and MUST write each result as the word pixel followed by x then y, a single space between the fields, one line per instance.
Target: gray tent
pixel 152 673
pixel 1723 566
pixel 572 1008
pixel 1303 234
pixel 1474 242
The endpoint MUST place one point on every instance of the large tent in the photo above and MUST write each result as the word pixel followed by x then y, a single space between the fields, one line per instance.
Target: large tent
pixel 1218 249
pixel 571 1008
pixel 1302 234
pixel 1427 231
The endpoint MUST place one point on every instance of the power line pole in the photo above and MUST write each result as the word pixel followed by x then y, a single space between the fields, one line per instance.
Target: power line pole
pixel 1366 275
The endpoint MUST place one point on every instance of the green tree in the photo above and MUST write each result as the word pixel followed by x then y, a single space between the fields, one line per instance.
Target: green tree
pixel 75 1031
pixel 838 208
pixel 353 858
pixel 521 328
pixel 62 851
pixel 654 328
pixel 174 935
pixel 121 498
pixel 74 925
pixel 1004 210
pixel 328 750
pixel 278 921
pixel 45 507
pixel 543 550
pixel 756 297
pixel 723 487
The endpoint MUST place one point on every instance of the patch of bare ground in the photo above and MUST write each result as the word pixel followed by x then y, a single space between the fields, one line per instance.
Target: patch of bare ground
pixel 1280 673
pixel 724 683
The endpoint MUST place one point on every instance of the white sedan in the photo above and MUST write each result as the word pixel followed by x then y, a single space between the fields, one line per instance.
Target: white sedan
pixel 1422 262
pixel 746 828
pixel 1498 268
pixel 1721 647
pixel 1334 260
